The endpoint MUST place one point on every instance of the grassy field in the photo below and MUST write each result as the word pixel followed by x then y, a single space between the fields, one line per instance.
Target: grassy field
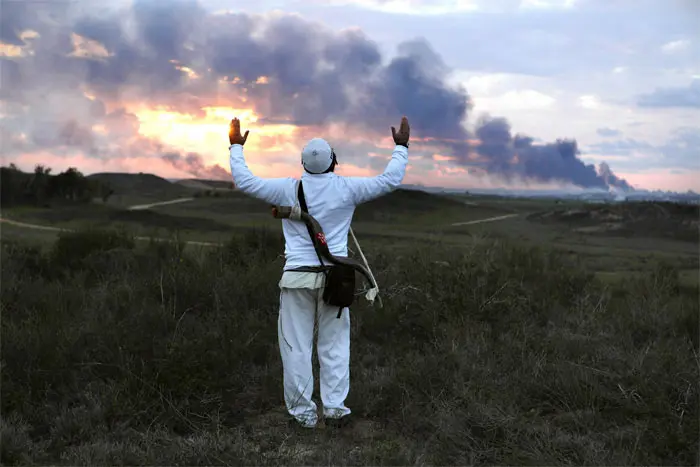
pixel 518 341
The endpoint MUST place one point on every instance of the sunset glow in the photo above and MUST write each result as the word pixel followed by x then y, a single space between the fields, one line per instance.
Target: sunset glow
pixel 191 133
pixel 11 50
pixel 161 81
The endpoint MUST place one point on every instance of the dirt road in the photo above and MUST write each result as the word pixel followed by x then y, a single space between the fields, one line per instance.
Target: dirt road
pixel 191 242
pixel 58 229
pixel 160 203
pixel 481 221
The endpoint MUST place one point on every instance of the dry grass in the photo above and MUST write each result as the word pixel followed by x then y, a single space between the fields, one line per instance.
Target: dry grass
pixel 115 352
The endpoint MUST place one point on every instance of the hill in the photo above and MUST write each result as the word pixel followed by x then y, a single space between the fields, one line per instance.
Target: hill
pixel 419 205
pixel 399 207
pixel 632 219
pixel 141 183
pixel 201 184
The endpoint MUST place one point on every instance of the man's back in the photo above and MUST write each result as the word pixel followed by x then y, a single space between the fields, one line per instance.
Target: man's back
pixel 331 200
pixel 328 202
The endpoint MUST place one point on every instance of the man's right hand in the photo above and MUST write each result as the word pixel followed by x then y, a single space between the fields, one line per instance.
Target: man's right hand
pixel 402 137
pixel 234 133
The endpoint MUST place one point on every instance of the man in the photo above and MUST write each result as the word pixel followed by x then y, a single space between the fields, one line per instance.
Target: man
pixel 331 200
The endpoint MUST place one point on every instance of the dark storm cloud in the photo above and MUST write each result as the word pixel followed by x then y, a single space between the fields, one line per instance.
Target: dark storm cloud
pixel 309 75
pixel 315 76
pixel 10 77
pixel 19 16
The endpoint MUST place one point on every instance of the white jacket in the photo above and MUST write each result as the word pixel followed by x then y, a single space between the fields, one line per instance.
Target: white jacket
pixel 331 200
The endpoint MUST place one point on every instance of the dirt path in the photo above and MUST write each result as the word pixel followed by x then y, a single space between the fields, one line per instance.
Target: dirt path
pixel 192 242
pixel 160 203
pixel 480 221
pixel 58 229
pixel 32 226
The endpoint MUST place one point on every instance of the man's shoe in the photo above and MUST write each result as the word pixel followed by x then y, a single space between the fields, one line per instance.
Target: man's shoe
pixel 338 422
pixel 298 424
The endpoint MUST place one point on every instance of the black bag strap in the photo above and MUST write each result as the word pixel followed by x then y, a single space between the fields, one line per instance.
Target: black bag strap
pixel 302 199
pixel 304 207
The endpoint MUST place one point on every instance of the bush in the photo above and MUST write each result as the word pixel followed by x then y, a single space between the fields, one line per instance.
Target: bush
pixel 71 248
pixel 500 355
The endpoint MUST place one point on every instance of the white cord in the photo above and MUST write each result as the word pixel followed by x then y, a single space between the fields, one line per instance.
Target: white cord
pixel 373 292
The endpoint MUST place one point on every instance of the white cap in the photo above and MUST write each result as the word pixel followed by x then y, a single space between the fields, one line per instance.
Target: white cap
pixel 317 156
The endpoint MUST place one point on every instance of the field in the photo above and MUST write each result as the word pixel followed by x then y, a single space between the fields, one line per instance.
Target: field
pixel 514 331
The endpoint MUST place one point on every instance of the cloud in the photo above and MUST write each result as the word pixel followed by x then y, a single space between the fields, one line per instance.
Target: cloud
pixel 590 102
pixel 99 82
pixel 623 147
pixel 547 4
pixel 675 46
pixel 665 179
pixel 673 97
pixel 408 7
pixel 608 132
pixel 683 148
pixel 527 99
pixel 680 151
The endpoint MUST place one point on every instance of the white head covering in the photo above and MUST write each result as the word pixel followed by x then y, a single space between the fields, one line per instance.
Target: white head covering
pixel 317 156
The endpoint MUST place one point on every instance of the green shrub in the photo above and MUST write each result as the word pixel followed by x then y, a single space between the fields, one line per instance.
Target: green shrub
pixel 71 248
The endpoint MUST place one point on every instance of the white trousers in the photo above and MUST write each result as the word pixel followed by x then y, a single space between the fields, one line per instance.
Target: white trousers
pixel 299 307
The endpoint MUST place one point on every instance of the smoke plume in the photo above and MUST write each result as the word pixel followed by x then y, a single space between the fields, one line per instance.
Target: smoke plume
pixel 78 70
pixel 194 164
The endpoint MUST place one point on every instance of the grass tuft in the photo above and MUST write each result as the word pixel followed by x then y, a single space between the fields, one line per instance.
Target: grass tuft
pixel 156 353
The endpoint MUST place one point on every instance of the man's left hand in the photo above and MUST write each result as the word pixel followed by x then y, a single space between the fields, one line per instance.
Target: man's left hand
pixel 234 133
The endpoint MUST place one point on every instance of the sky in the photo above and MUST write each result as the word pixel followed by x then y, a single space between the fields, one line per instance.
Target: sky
pixel 573 94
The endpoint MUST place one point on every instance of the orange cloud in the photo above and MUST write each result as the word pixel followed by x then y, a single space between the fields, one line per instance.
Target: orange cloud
pixel 349 170
pixel 209 133
pixel 87 48
pixel 187 70
pixel 441 158
pixel 12 50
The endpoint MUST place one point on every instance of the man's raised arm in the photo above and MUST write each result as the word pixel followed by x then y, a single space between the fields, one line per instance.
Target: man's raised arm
pixel 271 190
pixel 363 189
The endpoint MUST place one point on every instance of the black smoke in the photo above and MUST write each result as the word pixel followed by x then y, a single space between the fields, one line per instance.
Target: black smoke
pixel 194 164
pixel 611 179
pixel 285 67
pixel 518 155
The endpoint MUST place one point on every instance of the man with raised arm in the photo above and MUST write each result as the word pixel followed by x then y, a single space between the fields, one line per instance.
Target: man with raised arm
pixel 331 199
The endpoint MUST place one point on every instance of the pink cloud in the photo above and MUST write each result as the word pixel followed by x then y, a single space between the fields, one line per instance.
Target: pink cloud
pixel 441 158
pixel 665 180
